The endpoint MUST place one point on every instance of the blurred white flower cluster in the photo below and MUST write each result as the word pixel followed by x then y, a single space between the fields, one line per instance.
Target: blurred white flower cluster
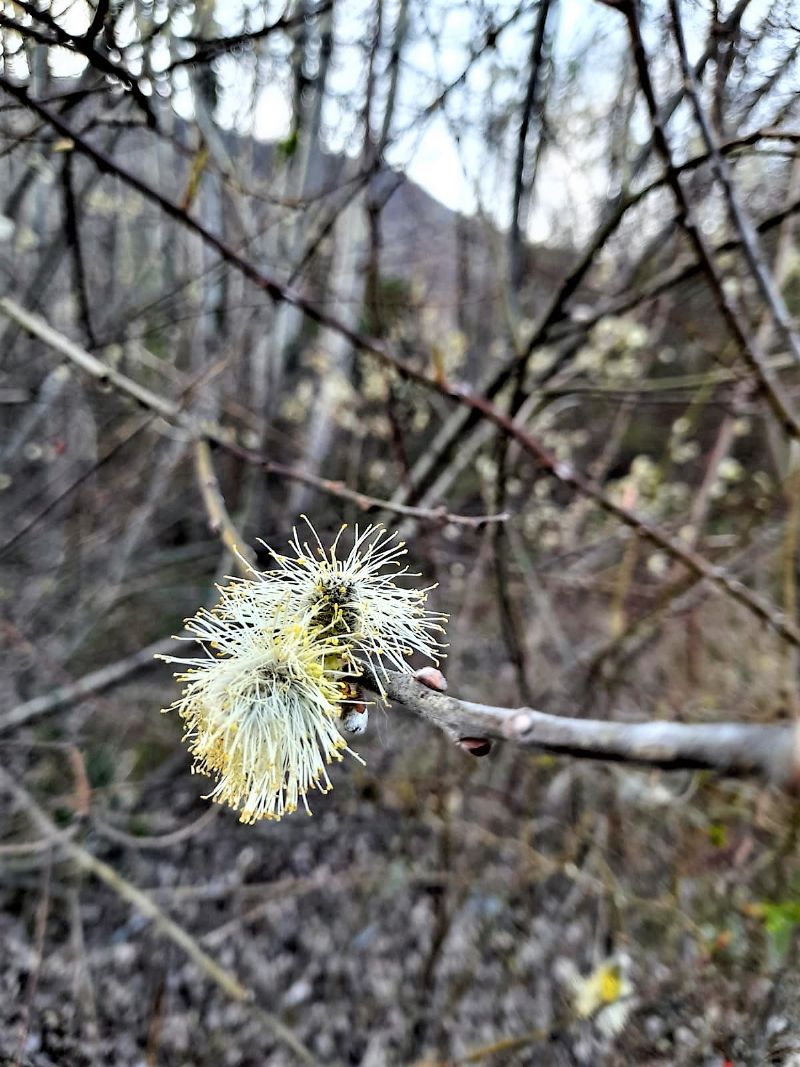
pixel 280 651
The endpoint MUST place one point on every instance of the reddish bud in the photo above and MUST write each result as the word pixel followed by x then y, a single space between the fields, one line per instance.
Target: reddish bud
pixel 433 678
pixel 476 746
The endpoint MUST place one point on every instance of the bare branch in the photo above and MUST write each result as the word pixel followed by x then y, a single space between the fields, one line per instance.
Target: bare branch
pixel 91 364
pixel 209 432
pixel 372 503
pixel 219 521
pixel 742 224
pixel 82 45
pixel 748 345
pixel 211 48
pixel 731 749
pixel 88 685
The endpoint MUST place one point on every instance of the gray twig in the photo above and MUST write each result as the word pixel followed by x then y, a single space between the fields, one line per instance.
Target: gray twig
pixel 768 751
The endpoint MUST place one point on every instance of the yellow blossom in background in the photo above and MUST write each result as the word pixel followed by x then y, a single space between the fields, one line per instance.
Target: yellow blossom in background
pixel 605 996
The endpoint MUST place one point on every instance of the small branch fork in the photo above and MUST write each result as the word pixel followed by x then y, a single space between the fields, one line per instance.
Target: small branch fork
pixel 770 752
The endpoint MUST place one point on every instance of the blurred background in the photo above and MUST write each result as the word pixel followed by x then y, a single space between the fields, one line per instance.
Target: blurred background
pixel 475 184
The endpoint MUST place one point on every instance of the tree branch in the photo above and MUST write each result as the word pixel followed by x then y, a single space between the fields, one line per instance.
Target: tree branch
pixel 95 682
pixel 83 45
pixel 219 521
pixel 731 749
pixel 211 48
pixel 748 345
pixel 748 236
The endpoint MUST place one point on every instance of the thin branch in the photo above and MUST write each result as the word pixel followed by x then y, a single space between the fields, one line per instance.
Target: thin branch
pixel 206 432
pixel 371 503
pixel 82 45
pixel 156 841
pixel 41 844
pixel 731 749
pixel 748 235
pixel 500 1046
pixel 219 521
pixel 748 345
pixel 211 48
pixel 147 907
pixel 266 282
pixel 88 685
pixel 72 231
pixel 694 561
pixel 536 64
pixel 103 372
pixel 563 472
pixel 129 433
pixel 555 321
pixel 666 280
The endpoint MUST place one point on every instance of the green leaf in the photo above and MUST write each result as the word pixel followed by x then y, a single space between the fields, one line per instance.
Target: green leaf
pixel 780 919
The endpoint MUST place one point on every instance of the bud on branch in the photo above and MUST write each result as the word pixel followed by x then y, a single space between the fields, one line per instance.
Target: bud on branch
pixel 771 752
